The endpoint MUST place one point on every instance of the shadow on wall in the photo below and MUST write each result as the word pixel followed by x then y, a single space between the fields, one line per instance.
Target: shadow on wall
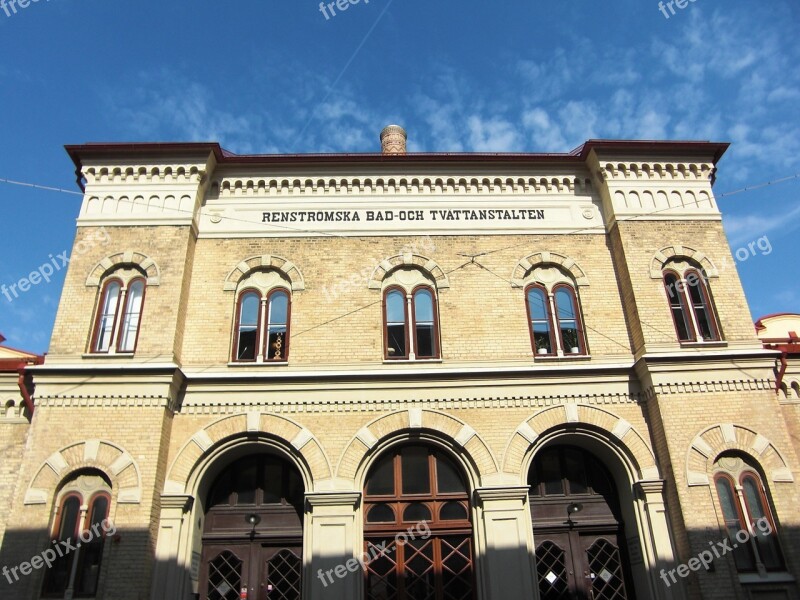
pixel 126 571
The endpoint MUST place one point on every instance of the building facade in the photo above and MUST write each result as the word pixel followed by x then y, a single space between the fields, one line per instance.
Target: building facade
pixel 404 376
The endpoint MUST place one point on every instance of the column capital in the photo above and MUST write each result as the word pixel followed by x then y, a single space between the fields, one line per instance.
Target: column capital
pixel 653 486
pixel 350 499
pixel 183 503
pixel 517 492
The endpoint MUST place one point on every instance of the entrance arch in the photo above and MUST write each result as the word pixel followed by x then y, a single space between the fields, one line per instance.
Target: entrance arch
pixel 418 526
pixel 578 528
pixel 253 530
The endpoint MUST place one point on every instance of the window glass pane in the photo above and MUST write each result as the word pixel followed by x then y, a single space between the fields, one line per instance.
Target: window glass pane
pixel 246 481
pixel 69 518
pixel 249 314
pixel 448 479
pixel 381 478
pixel 416 470
pixel 416 512
pixel 537 305
pixel 108 313
pixel 278 308
pixel 89 567
pixel 742 555
pixel 276 342
pixel 57 577
pixel 395 307
pixel 453 511
pixel 576 471
pixel 221 492
pixel 423 307
pixel 674 288
pixel 424 337
pixel 133 311
pixel 272 483
pixel 381 513
pixel 99 512
pixel 248 327
pixel 766 538
pixel 695 285
pixel 541 337
pixel 397 340
pixel 550 473
pixel 565 307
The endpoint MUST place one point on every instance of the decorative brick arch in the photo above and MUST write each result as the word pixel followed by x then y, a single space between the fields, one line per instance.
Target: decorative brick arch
pixel 104 456
pixel 293 436
pixel 580 417
pixel 524 265
pixel 447 427
pixel 424 263
pixel 129 257
pixel 722 437
pixel 661 257
pixel 266 261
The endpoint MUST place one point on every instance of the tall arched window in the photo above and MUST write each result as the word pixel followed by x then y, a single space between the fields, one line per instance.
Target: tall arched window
pixel 119 313
pixel 410 323
pixel 747 516
pixel 261 330
pixel 690 304
pixel 81 522
pixel 554 319
pixel 417 509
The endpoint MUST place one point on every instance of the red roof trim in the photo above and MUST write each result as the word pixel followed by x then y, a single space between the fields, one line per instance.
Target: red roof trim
pixel 93 150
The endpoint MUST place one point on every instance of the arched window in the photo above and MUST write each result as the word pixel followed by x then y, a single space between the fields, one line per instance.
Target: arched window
pixel 249 314
pixel 690 304
pixel 119 313
pixel 554 320
pixel 262 326
pixel 417 527
pixel 747 516
pixel 410 324
pixel 81 523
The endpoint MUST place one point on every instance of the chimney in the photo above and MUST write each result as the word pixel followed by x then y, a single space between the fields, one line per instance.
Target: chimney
pixel 393 140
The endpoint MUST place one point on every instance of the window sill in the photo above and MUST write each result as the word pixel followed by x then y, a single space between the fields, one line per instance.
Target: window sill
pixel 107 355
pixel 751 578
pixel 548 358
pixel 716 344
pixel 406 361
pixel 270 363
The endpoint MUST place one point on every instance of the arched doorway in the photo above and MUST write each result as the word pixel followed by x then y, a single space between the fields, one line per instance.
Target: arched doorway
pixel 418 526
pixel 578 529
pixel 253 531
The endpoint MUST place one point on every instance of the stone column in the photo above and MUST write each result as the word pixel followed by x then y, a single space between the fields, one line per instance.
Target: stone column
pixel 657 541
pixel 332 538
pixel 171 580
pixel 504 543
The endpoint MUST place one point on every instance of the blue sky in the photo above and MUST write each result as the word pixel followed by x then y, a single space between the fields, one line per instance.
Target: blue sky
pixel 267 76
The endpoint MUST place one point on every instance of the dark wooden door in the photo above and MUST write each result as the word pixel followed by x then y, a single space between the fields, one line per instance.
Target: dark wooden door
pixel 577 528
pixel 575 565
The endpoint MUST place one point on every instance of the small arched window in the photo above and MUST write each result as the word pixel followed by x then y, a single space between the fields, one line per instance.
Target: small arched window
pixel 690 305
pixel 81 523
pixel 410 324
pixel 119 314
pixel 262 326
pixel 747 516
pixel 554 320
